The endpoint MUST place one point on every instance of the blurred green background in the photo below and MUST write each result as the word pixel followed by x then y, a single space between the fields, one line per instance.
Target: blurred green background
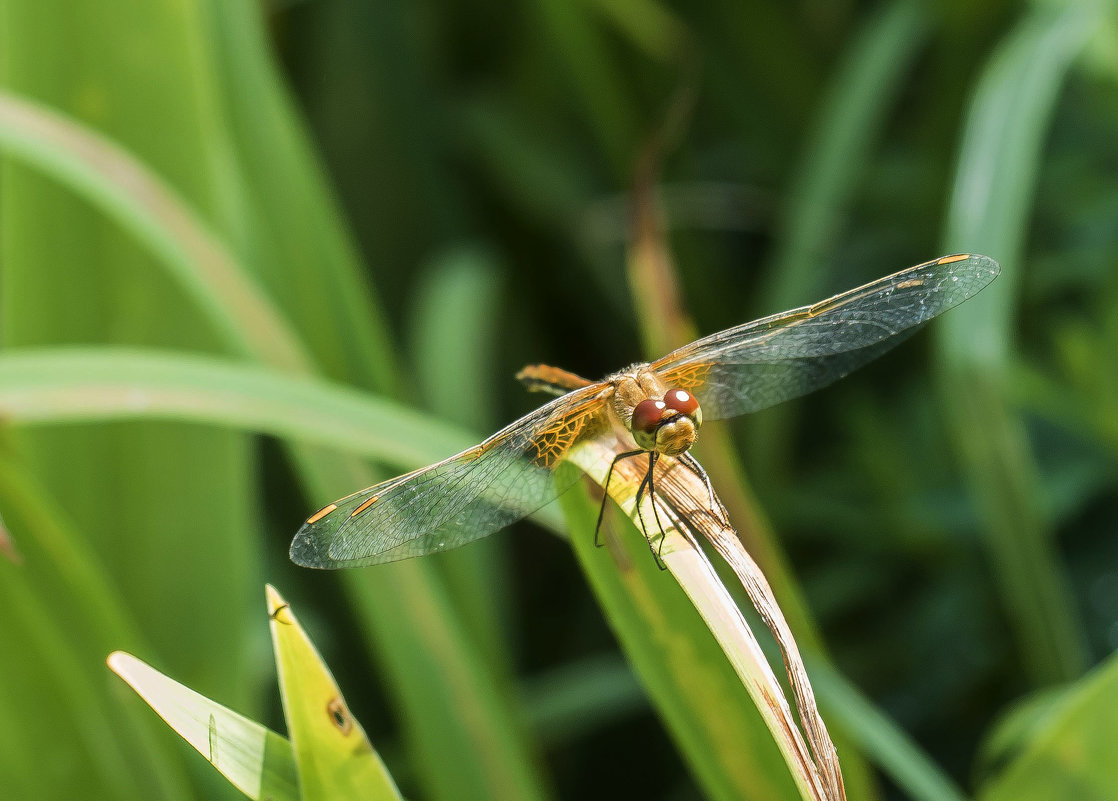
pixel 417 199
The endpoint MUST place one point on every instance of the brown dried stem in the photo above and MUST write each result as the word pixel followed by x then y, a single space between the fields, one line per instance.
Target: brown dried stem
pixel 687 510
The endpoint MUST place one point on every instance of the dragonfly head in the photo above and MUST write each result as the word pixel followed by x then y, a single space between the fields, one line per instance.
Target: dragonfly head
pixel 669 426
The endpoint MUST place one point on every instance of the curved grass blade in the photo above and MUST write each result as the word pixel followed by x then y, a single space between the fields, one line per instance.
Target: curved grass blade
pixel 257 761
pixel 75 384
pixel 60 385
pixel 1071 752
pixel 680 511
pixel 303 252
pixel 97 168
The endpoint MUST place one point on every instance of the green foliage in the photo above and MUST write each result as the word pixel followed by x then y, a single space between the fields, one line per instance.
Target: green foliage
pixel 328 755
pixel 1066 750
pixel 217 218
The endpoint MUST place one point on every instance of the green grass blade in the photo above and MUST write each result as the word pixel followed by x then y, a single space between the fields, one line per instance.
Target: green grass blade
pixel 63 612
pixel 67 385
pixel 1071 750
pixel 132 194
pixel 74 384
pixel 257 761
pixel 335 759
pixel 454 339
pixel 301 248
pixel 998 163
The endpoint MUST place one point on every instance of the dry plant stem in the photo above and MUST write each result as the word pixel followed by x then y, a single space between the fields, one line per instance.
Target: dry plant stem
pixel 654 286
pixel 683 505
pixel 677 491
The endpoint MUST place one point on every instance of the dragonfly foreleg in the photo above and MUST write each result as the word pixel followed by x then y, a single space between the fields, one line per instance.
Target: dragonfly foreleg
pixel 648 483
pixel 605 497
pixel 717 508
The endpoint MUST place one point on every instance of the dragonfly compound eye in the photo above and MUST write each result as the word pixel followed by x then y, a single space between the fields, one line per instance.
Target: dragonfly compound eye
pixel 681 400
pixel 646 415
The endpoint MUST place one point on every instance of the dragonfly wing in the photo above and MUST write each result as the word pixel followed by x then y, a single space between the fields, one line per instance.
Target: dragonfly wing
pixel 762 363
pixel 456 501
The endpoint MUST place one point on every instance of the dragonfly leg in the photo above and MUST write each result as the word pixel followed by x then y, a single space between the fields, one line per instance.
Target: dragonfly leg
pixel 605 497
pixel 717 508
pixel 647 484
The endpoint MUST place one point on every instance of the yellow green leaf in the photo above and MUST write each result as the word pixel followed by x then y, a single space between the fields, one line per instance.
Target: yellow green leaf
pixel 256 760
pixel 334 756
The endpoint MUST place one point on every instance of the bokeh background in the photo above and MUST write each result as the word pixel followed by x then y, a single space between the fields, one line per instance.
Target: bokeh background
pixel 431 195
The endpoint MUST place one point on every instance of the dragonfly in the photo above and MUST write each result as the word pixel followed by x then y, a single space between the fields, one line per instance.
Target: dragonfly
pixel 656 408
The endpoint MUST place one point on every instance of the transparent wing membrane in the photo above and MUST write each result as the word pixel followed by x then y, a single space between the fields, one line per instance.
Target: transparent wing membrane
pixel 457 501
pixel 767 361
pixel 743 369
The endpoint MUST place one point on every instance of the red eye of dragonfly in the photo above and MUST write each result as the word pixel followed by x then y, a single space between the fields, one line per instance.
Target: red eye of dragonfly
pixel 646 415
pixel 682 401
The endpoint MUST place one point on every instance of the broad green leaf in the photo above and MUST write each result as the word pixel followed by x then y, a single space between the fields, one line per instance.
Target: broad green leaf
pixel 257 761
pixel 1073 748
pixel 335 758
